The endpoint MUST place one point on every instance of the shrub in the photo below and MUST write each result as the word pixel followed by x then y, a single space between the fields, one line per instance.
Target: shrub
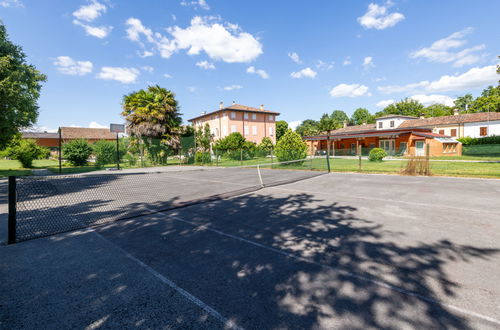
pixel 202 157
pixel 290 147
pixel 77 152
pixel 26 151
pixel 105 152
pixel 265 147
pixel 377 154
pixel 494 139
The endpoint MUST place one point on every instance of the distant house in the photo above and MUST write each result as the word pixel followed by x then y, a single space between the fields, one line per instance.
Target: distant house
pixel 253 123
pixel 51 140
pixel 389 133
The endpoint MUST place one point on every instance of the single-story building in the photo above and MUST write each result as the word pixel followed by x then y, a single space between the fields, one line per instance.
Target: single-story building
pixel 51 140
pixel 388 133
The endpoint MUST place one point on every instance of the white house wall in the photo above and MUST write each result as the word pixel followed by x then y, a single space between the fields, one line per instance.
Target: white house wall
pixel 472 129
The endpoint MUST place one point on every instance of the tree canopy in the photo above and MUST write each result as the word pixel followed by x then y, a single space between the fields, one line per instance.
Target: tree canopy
pixel 20 85
pixel 281 128
pixel 340 117
pixel 308 127
pixel 405 107
pixel 362 115
pixel 152 113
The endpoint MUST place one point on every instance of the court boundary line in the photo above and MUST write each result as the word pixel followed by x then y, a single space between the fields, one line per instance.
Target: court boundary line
pixel 193 299
pixel 342 271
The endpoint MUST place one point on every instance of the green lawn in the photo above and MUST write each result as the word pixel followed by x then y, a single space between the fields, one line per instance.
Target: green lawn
pixel 14 167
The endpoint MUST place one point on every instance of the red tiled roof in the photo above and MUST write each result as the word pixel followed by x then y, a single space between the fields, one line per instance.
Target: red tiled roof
pixel 40 135
pixel 236 107
pixel 450 120
pixel 87 133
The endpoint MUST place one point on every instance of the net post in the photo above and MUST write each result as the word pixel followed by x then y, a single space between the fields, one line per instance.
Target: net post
pixel 11 236
pixel 117 153
pixel 241 156
pixel 328 151
pixel 359 156
pixel 60 151
pixel 260 176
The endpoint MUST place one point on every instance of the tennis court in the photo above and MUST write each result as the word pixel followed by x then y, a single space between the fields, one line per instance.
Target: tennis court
pixel 276 248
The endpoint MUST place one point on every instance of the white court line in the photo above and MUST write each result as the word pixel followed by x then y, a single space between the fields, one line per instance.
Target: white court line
pixel 227 323
pixel 344 272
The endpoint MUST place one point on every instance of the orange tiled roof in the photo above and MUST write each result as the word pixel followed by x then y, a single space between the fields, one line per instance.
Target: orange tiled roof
pixel 87 133
pixel 450 120
pixel 236 107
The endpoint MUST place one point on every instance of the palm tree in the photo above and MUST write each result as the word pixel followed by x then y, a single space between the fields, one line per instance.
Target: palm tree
pixel 327 124
pixel 153 113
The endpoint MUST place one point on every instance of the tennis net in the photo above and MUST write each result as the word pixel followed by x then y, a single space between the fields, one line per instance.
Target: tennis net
pixel 54 204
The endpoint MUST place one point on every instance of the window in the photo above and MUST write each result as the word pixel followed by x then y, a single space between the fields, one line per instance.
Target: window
pixel 224 130
pixel 453 132
pixel 254 130
pixel 441 131
pixel 271 117
pixel 342 146
pixel 271 131
pixel 483 131
pixel 246 115
pixel 380 124
pixel 254 116
pixel 233 115
pixel 372 145
pixel 403 147
pixel 392 123
pixel 233 128
pixel 247 130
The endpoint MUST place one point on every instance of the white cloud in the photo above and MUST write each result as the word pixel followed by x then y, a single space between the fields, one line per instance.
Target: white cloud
pixel 304 73
pixel 205 65
pixel 295 57
pixel 347 60
pixel 294 124
pixel 225 42
pixel 353 90
pixel 384 103
pixel 440 52
pixel 377 17
pixel 174 18
pixel 148 68
pixel 95 31
pixel 231 87
pixel 47 129
pixel 324 66
pixel 263 74
pixel 94 124
pixel 473 78
pixel 433 98
pixel 123 75
pixel 90 12
pixel 196 3
pixel 368 63
pixel 146 53
pixel 11 3
pixel 67 65
pixel 166 75
pixel 192 89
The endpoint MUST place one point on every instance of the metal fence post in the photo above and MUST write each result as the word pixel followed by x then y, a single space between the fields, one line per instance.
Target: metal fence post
pixel 359 155
pixel 12 211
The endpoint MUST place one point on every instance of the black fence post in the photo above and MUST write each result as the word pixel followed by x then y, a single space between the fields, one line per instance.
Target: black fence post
pixel 360 150
pixel 12 211
pixel 60 151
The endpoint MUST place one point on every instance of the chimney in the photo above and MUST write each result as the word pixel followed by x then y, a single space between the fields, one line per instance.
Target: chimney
pixel 364 123
pixel 345 123
pixel 422 116
pixel 234 102
pixel 262 107
pixel 221 105
pixel 456 112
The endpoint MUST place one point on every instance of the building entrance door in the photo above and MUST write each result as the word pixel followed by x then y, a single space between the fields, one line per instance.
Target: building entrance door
pixel 419 148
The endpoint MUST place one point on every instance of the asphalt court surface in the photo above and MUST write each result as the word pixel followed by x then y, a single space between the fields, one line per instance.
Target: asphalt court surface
pixel 334 251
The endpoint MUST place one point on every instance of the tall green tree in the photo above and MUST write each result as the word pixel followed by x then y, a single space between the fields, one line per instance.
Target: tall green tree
pixel 463 102
pixel 281 128
pixel 437 110
pixel 489 101
pixel 308 127
pixel 362 115
pixel 340 117
pixel 20 85
pixel 153 113
pixel 405 107
pixel 290 147
pixel 204 138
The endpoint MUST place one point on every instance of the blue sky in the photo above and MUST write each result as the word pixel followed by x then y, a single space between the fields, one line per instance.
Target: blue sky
pixel 301 58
